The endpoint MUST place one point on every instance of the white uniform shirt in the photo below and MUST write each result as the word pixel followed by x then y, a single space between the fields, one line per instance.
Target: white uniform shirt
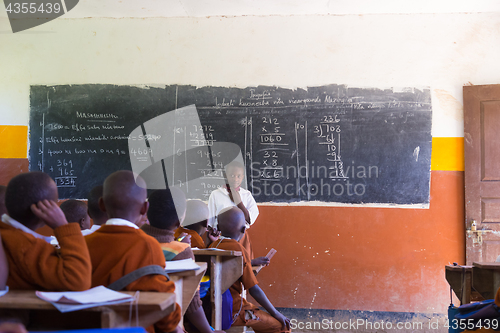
pixel 219 199
pixel 13 223
pixel 122 222
pixel 91 230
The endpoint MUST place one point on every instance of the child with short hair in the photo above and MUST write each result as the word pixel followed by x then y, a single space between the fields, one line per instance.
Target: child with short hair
pixel 196 225
pixel 119 247
pixel 76 211
pixel 35 264
pixel 232 227
pixel 167 210
pixel 96 214
pixel 234 195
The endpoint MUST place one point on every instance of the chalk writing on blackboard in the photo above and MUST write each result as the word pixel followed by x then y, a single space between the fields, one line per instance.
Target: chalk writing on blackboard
pixel 333 143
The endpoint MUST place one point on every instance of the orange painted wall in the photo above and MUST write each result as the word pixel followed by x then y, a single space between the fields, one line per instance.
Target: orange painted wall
pixel 379 259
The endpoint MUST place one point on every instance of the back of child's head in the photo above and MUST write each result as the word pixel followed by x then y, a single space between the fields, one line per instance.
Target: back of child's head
pixel 26 189
pixel 196 214
pixel 231 222
pixel 97 215
pixel 76 211
pixel 123 195
pixel 166 208
pixel 3 210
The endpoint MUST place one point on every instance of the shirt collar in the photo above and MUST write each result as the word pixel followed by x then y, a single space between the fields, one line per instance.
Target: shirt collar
pixel 91 230
pixel 122 222
pixel 13 223
pixel 94 227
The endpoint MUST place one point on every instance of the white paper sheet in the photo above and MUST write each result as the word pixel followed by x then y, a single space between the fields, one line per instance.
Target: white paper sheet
pixel 76 300
pixel 180 265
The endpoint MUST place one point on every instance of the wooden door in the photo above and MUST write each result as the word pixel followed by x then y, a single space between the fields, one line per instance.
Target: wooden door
pixel 482 172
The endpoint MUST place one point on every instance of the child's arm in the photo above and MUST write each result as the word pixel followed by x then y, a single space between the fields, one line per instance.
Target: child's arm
pixel 71 269
pixel 211 235
pixel 4 267
pixel 199 320
pixel 261 298
pixel 236 198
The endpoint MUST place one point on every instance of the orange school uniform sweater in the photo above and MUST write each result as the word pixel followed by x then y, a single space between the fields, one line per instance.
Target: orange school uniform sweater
pixel 118 250
pixel 173 250
pixel 248 278
pixel 196 240
pixel 37 265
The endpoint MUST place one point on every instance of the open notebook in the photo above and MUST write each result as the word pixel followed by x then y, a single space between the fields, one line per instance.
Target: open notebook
pixel 180 265
pixel 67 301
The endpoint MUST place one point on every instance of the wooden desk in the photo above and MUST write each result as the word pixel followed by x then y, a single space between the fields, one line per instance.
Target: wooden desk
pixel 186 284
pixel 461 285
pixel 486 278
pixel 225 268
pixel 41 315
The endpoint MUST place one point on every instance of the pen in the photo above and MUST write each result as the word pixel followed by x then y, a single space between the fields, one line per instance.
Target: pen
pixel 181 238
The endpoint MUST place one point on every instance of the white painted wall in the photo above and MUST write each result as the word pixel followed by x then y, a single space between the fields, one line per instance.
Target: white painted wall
pixel 202 8
pixel 443 51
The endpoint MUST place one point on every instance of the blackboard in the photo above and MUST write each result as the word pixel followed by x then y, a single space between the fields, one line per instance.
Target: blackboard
pixel 331 143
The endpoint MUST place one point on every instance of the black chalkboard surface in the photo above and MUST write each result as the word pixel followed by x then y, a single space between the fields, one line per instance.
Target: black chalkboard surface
pixel 330 144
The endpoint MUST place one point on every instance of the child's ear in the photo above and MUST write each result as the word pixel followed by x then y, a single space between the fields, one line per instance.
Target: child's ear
pixel 144 207
pixel 101 205
pixel 81 222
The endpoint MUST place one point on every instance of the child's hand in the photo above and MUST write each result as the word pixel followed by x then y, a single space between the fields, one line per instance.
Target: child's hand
pixel 50 213
pixel 261 261
pixel 184 238
pixel 212 234
pixel 285 322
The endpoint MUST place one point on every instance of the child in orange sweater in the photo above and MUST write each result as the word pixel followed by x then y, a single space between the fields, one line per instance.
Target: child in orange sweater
pixel 167 210
pixel 35 264
pixel 119 247
pixel 195 224
pixel 232 227
pixel 76 211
